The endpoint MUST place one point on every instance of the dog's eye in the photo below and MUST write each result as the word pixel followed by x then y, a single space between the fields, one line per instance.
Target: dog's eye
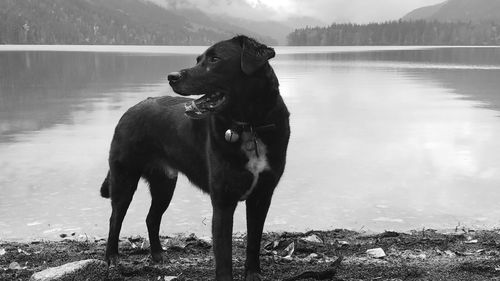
pixel 213 59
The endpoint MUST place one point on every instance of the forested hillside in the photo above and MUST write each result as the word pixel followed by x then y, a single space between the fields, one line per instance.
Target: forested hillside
pixel 452 22
pixel 399 33
pixel 105 22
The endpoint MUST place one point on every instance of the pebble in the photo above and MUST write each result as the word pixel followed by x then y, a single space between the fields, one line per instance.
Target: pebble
pixel 376 253
pixel 312 238
pixel 15 266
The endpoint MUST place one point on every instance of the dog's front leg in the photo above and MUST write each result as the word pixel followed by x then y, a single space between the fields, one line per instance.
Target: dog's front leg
pixel 257 206
pixel 222 234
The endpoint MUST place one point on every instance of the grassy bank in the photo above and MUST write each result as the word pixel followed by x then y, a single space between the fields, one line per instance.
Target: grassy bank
pixel 419 255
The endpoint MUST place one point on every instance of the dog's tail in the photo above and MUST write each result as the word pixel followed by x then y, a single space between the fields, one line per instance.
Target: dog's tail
pixel 105 187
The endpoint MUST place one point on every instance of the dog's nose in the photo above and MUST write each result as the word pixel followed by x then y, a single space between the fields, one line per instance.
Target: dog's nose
pixel 174 76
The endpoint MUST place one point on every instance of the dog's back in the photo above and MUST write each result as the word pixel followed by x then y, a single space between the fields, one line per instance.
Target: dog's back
pixel 128 126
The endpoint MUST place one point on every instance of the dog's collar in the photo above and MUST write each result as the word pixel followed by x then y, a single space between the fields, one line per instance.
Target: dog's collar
pixel 241 126
pixel 232 134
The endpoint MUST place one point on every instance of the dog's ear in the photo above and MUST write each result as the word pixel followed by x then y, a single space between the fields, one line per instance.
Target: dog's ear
pixel 254 55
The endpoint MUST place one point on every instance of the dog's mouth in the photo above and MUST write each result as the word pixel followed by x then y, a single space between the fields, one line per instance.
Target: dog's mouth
pixel 200 108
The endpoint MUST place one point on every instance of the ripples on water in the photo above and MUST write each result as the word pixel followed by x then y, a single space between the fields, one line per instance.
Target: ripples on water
pixel 382 138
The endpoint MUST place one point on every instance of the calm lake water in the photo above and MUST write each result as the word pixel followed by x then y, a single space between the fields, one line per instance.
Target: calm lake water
pixel 382 138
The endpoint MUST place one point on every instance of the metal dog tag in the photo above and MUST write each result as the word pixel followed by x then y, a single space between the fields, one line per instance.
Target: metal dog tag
pixel 231 136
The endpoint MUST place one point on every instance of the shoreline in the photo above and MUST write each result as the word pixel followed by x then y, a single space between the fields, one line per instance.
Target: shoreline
pixel 60 236
pixel 463 254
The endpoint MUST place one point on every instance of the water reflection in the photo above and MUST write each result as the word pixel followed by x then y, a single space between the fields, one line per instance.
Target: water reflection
pixel 395 144
pixel 39 89
pixel 382 139
pixel 456 55
pixel 480 85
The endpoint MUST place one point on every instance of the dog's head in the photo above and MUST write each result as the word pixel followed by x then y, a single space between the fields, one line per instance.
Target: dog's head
pixel 220 73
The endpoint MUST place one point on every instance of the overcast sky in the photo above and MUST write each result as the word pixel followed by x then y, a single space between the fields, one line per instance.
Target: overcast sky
pixel 328 11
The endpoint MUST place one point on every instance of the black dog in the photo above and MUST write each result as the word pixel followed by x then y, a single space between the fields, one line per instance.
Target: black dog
pixel 231 143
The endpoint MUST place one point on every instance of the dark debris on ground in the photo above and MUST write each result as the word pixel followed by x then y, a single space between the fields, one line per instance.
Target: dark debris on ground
pixel 315 255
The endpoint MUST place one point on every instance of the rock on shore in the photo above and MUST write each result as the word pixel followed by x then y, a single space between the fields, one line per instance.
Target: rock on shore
pixel 83 270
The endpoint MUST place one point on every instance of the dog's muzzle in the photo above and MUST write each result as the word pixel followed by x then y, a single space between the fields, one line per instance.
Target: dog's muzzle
pixel 174 76
pixel 200 108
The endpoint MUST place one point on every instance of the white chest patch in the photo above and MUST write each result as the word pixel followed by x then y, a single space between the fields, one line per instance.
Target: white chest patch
pixel 170 172
pixel 257 160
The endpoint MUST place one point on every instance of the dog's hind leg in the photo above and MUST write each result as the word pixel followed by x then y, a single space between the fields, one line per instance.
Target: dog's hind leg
pixel 122 187
pixel 162 186
pixel 105 187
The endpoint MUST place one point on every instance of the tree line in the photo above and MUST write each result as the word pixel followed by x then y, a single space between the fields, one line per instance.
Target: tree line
pixel 400 32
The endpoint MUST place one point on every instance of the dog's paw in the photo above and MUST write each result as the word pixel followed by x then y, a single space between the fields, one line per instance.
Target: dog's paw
pixel 253 276
pixel 157 257
pixel 112 260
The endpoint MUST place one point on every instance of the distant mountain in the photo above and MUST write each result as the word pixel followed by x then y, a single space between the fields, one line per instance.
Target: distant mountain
pixel 272 29
pixel 202 19
pixel 277 30
pixel 458 10
pixel 257 16
pixel 109 22
pixel 423 13
pixel 453 22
